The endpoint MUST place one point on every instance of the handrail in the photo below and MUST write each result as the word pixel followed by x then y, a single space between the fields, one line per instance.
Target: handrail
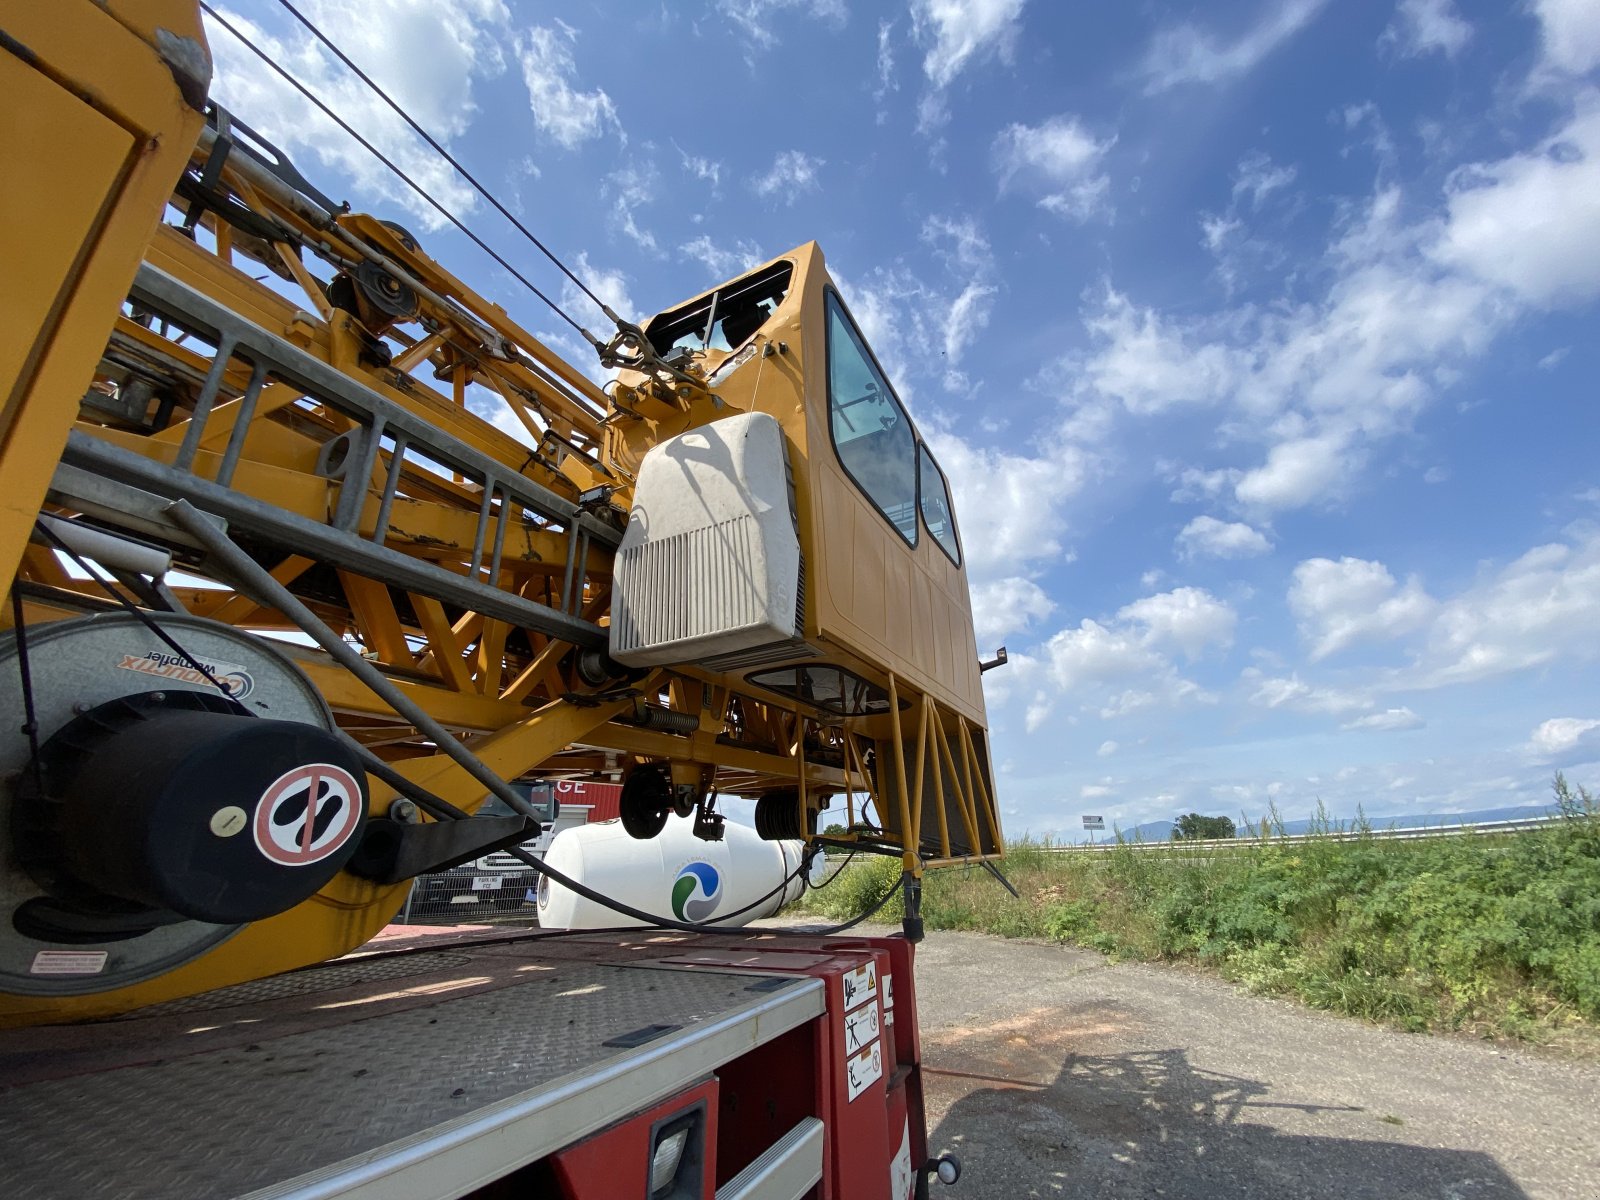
pixel 1407 833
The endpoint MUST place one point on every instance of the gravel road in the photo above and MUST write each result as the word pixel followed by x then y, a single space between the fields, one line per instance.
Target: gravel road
pixel 1053 1073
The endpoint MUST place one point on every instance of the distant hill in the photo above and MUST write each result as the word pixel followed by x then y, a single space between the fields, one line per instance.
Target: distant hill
pixel 1161 831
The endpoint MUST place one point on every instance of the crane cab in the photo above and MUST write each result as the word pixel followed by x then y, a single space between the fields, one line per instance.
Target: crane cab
pixel 792 533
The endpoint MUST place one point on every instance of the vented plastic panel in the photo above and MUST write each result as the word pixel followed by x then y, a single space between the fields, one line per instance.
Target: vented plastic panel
pixel 709 569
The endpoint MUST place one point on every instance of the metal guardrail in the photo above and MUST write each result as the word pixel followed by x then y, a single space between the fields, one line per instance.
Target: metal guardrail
pixel 1300 839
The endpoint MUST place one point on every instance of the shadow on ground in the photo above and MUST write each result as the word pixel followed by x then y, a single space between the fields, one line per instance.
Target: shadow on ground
pixel 1149 1124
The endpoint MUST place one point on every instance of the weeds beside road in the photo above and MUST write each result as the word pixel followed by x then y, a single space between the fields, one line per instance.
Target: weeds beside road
pixel 1493 934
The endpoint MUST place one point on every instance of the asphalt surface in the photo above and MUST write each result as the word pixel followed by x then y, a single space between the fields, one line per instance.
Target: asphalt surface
pixel 1051 1072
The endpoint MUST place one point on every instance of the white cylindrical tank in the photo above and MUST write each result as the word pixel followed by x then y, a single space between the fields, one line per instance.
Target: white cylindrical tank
pixel 674 875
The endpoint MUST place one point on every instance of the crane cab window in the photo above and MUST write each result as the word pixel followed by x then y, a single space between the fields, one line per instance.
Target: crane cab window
pixel 827 687
pixel 937 514
pixel 871 432
pixel 725 318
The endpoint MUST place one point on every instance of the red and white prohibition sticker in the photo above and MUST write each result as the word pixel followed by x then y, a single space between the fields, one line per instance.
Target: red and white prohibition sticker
pixel 307 814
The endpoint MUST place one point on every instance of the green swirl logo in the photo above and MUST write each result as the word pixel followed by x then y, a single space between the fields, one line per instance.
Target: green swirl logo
pixel 696 892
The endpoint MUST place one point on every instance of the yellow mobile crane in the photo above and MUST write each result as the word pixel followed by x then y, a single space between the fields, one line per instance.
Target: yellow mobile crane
pixel 733 571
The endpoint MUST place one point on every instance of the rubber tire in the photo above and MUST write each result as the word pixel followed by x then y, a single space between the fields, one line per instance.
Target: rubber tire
pixel 646 802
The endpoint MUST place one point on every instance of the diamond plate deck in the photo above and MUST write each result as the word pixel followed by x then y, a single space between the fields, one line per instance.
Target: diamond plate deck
pixel 413 1083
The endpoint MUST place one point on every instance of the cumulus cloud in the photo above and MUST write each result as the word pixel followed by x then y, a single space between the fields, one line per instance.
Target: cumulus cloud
pixel 1339 604
pixel 429 58
pixel 1424 26
pixel 1320 382
pixel 1530 223
pixel 1002 607
pixel 1008 505
pixel 1107 748
pixel 560 110
pixel 1543 608
pixel 1188 618
pixel 1207 537
pixel 792 173
pixel 1124 665
pixel 1560 736
pixel 1059 158
pixel 1570 31
pixel 1188 54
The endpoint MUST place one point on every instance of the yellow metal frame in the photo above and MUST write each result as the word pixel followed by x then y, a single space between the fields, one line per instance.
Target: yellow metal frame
pixel 513 695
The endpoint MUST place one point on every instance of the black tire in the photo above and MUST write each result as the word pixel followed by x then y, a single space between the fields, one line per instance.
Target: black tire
pixel 778 816
pixel 646 802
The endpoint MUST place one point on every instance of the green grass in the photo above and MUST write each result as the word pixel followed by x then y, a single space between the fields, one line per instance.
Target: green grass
pixel 1499 935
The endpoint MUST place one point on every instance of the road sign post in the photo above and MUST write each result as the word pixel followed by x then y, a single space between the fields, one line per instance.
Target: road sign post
pixel 1092 824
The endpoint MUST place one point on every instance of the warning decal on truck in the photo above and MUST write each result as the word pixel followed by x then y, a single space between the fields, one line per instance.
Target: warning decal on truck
pixel 864 1069
pixel 861 1028
pixel 860 985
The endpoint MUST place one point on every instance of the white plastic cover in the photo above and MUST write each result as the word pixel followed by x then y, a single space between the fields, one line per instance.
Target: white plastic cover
pixel 710 563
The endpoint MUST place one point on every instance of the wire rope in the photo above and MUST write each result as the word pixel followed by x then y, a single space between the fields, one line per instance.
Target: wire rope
pixel 394 167
pixel 444 154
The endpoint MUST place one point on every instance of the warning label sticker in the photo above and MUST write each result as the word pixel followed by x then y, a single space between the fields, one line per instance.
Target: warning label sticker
pixel 68 962
pixel 863 1070
pixel 307 814
pixel 861 985
pixel 861 1028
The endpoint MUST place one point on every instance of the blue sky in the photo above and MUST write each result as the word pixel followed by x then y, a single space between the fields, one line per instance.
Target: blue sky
pixel 1257 339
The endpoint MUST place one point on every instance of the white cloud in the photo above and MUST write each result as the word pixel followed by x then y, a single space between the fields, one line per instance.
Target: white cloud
pixel 629 190
pixel 960 242
pixel 1297 472
pixel 1258 177
pixel 1189 618
pixel 886 79
pixel 1008 505
pixel 1095 791
pixel 428 57
pixel 792 172
pixel 1148 365
pixel 1390 720
pixel 1002 607
pixel 1571 34
pixel 1292 693
pixel 1422 26
pixel 1123 666
pixel 708 169
pixel 1107 749
pixel 1187 54
pixel 1531 222
pixel 956 33
pixel 1207 537
pixel 610 285
pixel 723 261
pixel 1060 158
pixel 1339 604
pixel 1542 609
pixel 1562 735
pixel 754 17
pixel 568 115
pixel 1554 359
